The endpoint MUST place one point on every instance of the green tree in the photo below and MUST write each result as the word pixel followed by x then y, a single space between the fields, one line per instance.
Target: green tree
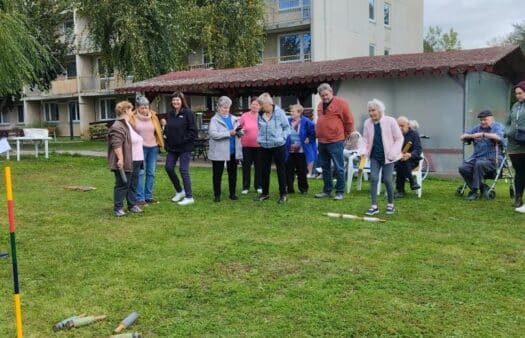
pixel 150 37
pixel 517 36
pixel 435 40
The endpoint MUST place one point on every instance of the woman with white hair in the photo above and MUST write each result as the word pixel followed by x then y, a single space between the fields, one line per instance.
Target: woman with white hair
pixel 225 146
pixel 273 132
pixel 383 141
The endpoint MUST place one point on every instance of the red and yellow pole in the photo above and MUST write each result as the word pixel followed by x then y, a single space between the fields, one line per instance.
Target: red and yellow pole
pixel 11 215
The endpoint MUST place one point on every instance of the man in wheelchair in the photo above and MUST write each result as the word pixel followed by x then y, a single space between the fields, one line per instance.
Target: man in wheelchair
pixel 488 152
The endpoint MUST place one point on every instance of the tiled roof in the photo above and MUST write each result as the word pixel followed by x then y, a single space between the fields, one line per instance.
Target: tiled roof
pixel 311 73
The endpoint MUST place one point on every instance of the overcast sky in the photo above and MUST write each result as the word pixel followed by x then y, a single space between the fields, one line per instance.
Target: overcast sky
pixel 476 21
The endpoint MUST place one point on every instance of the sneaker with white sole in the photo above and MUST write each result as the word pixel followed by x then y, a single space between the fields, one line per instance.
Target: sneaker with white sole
pixel 244 192
pixel 338 197
pixel 187 201
pixel 521 209
pixel 178 196
pixel 259 191
pixel 372 211
pixel 322 195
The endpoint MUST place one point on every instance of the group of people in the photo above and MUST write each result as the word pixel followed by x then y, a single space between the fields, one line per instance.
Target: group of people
pixel 265 134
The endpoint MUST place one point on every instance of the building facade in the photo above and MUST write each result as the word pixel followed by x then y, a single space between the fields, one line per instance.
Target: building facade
pixel 296 31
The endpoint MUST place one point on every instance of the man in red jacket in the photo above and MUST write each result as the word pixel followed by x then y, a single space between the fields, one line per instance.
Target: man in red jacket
pixel 335 122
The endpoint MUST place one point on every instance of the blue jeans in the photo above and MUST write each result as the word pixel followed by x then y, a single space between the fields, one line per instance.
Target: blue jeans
pixel 126 190
pixel 145 189
pixel 328 153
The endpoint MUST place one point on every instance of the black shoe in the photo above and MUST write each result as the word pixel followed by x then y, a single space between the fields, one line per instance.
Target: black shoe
pixel 290 191
pixel 414 186
pixel 283 199
pixel 234 197
pixel 473 195
pixel 399 194
pixel 261 198
pixel 518 202
pixel 304 192
pixel 217 199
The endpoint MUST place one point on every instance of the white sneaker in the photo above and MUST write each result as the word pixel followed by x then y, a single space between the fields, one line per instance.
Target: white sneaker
pixel 521 209
pixel 259 191
pixel 187 201
pixel 244 192
pixel 178 196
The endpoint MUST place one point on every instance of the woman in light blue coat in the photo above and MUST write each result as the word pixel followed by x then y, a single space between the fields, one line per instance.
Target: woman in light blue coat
pixel 273 132
pixel 225 146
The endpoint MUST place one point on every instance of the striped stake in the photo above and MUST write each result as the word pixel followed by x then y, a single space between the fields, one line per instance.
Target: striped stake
pixel 11 215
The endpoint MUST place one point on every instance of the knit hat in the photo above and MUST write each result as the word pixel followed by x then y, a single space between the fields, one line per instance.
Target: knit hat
pixel 521 85
pixel 142 101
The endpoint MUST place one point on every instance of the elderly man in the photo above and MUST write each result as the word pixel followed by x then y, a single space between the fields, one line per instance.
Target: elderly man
pixel 409 159
pixel 488 152
pixel 335 122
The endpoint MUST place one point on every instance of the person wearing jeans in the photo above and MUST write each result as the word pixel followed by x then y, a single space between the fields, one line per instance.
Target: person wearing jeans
pixel 225 146
pixel 125 159
pixel 273 132
pixel 382 140
pixel 179 133
pixel 516 148
pixel 335 122
pixel 147 124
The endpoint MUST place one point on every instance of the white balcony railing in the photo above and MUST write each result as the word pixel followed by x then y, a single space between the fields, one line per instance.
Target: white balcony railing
pixel 287 59
pixel 296 16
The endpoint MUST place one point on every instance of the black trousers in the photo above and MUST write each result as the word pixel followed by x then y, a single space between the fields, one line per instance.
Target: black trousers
pixel 218 168
pixel 126 190
pixel 474 172
pixel 296 164
pixel 518 162
pixel 250 156
pixel 404 172
pixel 278 154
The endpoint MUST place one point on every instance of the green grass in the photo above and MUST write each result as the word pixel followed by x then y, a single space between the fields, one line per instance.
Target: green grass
pixel 440 266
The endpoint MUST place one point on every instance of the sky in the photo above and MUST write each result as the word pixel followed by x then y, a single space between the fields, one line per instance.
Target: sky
pixel 476 21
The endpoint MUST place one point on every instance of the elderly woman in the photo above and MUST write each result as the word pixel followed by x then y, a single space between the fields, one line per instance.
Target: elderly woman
pixel 125 159
pixel 301 148
pixel 516 147
pixel 273 132
pixel 147 125
pixel 224 132
pixel 382 145
pixel 250 147
pixel 180 133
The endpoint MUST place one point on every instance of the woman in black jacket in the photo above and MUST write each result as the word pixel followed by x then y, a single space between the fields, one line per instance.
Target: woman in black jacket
pixel 180 133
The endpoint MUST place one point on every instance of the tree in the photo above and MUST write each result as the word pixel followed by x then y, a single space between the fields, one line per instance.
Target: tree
pixel 435 40
pixel 516 37
pixel 24 59
pixel 146 38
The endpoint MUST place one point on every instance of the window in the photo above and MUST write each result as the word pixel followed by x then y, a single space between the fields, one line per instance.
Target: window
pixel 104 71
pixel 387 14
pixel 371 10
pixel 295 47
pixel 371 50
pixel 3 118
pixel 107 109
pixel 51 112
pixel 289 4
pixel 387 51
pixel 20 114
pixel 71 69
pixel 68 27
pixel 74 113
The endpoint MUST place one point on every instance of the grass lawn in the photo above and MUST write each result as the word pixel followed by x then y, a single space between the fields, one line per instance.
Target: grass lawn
pixel 440 266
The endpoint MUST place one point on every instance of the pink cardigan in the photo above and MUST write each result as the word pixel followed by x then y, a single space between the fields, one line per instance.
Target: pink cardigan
pixel 391 135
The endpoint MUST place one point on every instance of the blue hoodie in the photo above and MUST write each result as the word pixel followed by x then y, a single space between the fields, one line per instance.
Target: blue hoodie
pixel 274 132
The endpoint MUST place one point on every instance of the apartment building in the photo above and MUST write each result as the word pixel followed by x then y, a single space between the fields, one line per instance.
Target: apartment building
pixel 296 31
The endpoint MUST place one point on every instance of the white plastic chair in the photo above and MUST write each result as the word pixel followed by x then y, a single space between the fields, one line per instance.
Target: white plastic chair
pixel 353 169
pixel 418 173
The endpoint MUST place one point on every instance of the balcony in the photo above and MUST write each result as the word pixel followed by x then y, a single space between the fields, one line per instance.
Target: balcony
pixel 287 59
pixel 59 88
pixel 281 20
pixel 105 85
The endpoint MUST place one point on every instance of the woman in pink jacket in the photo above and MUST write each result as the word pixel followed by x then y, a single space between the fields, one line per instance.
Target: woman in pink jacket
pixel 382 145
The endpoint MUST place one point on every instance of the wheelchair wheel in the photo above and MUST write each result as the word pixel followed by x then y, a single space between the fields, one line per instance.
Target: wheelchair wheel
pixel 460 191
pixel 492 194
pixel 511 191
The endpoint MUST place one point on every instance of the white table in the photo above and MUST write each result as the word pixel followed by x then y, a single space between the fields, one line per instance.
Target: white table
pixel 45 139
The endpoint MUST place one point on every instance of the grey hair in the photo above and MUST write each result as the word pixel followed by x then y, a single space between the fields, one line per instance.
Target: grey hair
pixel 403 119
pixel 142 101
pixel 265 98
pixel 224 101
pixel 413 124
pixel 379 105
pixel 324 86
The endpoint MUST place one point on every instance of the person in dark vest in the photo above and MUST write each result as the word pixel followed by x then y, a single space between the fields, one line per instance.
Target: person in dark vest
pixel 410 157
